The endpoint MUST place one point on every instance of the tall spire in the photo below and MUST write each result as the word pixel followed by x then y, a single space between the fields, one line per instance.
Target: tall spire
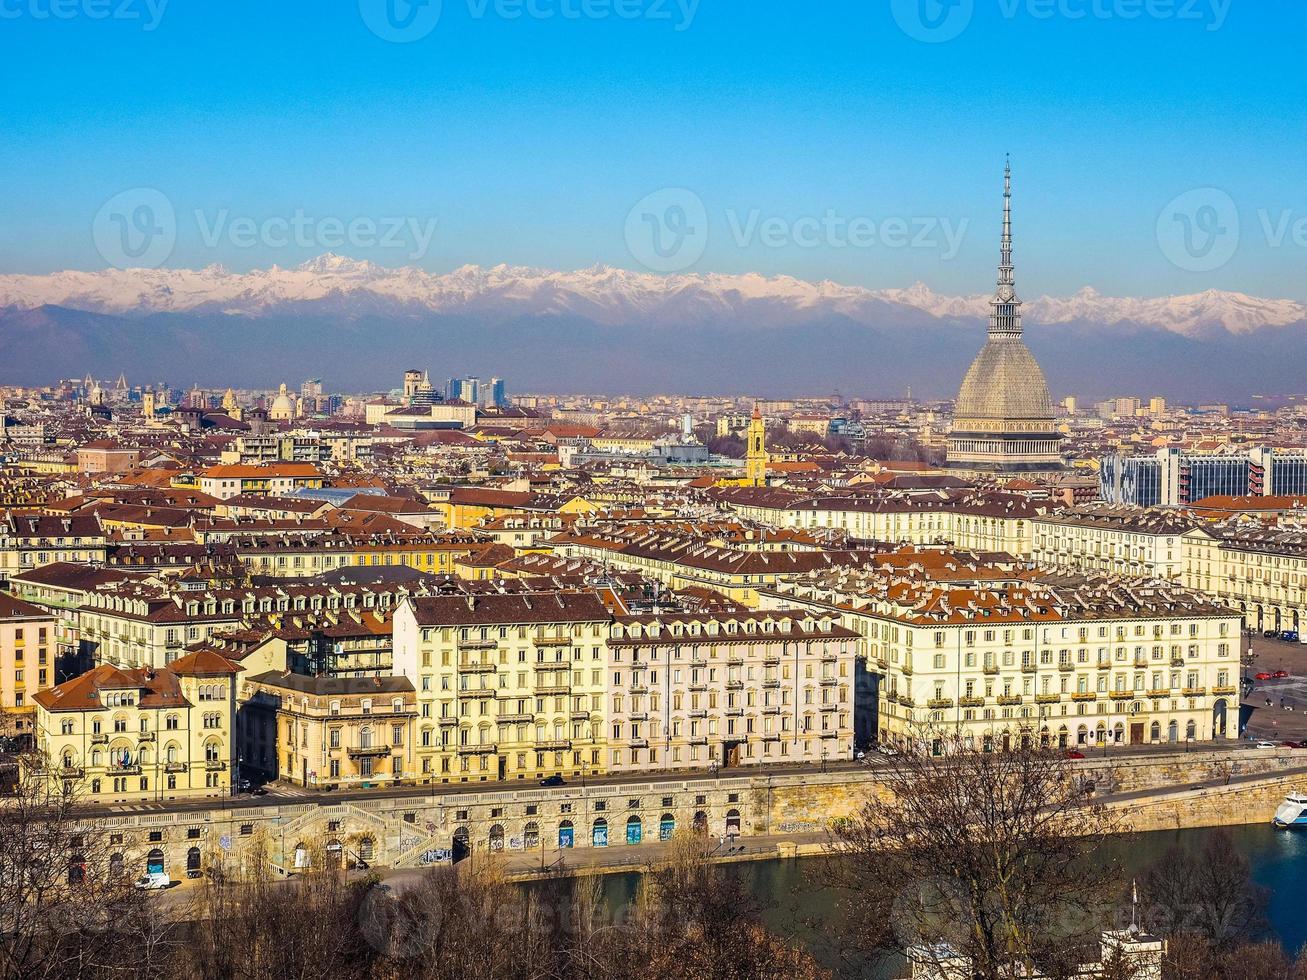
pixel 1005 320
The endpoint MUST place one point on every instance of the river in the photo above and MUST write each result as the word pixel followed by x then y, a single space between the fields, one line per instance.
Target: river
pixel 794 899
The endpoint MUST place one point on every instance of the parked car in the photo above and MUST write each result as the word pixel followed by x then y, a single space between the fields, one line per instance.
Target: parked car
pixel 554 780
pixel 1280 674
pixel 1074 754
pixel 1264 675
pixel 1290 635
pixel 1270 633
pixel 1263 744
pixel 153 881
pixel 887 750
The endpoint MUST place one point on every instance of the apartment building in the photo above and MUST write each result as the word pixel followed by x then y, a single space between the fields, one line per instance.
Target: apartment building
pixel 508 686
pixel 1256 568
pixel 31 540
pixel 323 732
pixel 689 690
pixel 1079 663
pixel 143 733
pixel 27 657
pixel 1113 540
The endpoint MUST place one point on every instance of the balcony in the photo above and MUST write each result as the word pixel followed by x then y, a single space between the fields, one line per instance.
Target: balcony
pixel 772 709
pixel 698 713
pixel 487 749
pixel 639 716
pixel 698 662
pixel 771 660
pixel 1029 668
pixel 145 737
pixel 1084 696
pixel 829 681
pixel 1121 695
pixel 734 661
pixel 174 767
pixel 71 772
pixel 132 770
pixel 1066 668
pixel 830 734
pixel 359 751
pixel 476 692
pixel 448 721
pixel 1047 698
pixel 990 669
pixel 829 658
pixel 1008 700
pixel 1177 661
pixel 1225 690
pixel 905 700
pixel 829 708
pixel 553 744
pixel 1159 692
pixel 971 702
pixel 1194 692
pixel 638 743
pixel 544 690
pixel 553 641
pixel 698 686
pixel 518 719
pixel 698 740
pixel 772 682
pixel 730 713
pixel 478 644
pixel 735 685
pixel 469 667
pixel 579 716
pixel 214 765
pixel 100 739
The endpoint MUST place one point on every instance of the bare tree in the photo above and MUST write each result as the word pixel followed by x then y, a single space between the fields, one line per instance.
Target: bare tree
pixel 990 856
pixel 66 908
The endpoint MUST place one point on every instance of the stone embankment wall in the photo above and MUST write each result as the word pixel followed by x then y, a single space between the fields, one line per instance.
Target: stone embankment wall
pixel 416 831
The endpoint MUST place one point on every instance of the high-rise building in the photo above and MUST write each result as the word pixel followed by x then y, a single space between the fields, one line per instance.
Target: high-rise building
pixel 1171 478
pixel 1003 417
pixel 497 398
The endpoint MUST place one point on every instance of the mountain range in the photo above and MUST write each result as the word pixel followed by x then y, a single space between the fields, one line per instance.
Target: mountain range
pixel 358 324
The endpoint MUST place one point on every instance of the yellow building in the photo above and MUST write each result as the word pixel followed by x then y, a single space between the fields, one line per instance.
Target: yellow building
pixel 27 652
pixel 508 686
pixel 755 465
pixel 141 734
pixel 329 731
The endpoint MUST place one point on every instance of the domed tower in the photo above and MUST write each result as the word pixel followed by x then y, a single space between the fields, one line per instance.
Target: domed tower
pixel 1003 417
pixel 283 406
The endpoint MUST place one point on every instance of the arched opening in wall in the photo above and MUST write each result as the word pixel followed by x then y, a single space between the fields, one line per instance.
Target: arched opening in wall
pixel 566 834
pixel 1118 733
pixel 634 830
pixel 1063 737
pixel 335 854
pixel 461 846
pixel 1277 619
pixel 599 833
pixel 666 827
pixel 193 860
pixel 732 822
pixel 1294 617
pixel 531 835
pixel 700 821
pixel 76 869
pixel 497 837
pixel 367 849
pixel 1219 712
pixel 301 859
pixel 1191 731
pixel 1082 735
pixel 115 865
pixel 1155 732
pixel 154 862
pixel 1173 731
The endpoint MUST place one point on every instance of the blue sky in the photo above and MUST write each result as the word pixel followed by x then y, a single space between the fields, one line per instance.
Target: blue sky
pixel 530 138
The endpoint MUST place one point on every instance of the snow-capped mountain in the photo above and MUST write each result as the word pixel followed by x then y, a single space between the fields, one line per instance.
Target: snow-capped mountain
pixel 338 286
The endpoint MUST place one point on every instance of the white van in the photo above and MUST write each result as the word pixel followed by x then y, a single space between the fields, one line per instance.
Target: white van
pixel 153 881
